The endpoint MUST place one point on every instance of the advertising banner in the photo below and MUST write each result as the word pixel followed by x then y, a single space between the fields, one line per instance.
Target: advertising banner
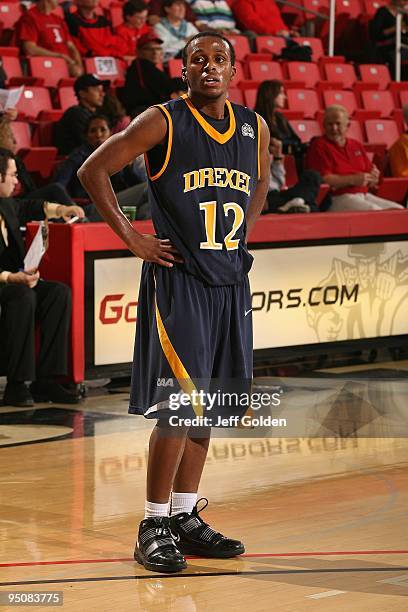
pixel 300 295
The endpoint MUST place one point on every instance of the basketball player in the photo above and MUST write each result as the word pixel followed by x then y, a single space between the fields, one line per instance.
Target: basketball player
pixel 208 168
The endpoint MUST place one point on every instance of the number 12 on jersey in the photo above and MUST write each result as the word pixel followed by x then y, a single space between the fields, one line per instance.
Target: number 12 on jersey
pixel 210 218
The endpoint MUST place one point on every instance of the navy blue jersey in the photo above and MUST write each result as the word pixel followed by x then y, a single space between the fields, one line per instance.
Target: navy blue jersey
pixel 200 193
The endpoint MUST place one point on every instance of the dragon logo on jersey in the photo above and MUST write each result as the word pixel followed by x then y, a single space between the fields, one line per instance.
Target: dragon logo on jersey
pixel 248 130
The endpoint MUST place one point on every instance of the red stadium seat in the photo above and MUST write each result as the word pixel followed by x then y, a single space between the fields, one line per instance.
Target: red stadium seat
pixel 240 44
pixel 321 6
pixel 109 68
pixel 381 101
pixel 33 101
pixel 381 131
pixel 36 159
pixel 10 13
pixel 239 76
pixel 375 73
pixel 270 44
pixel 250 97
pixel 404 98
pixel 398 89
pixel 372 6
pixel 174 67
pixel 12 66
pixel 394 189
pixel 305 100
pixel 67 97
pixel 344 98
pixel 355 131
pixel 51 69
pixel 306 129
pixel 22 134
pixel 235 95
pixel 291 170
pixel 352 8
pixel 315 44
pixel 262 71
pixel 304 71
pixel 341 73
pixel 39 159
pixel 9 51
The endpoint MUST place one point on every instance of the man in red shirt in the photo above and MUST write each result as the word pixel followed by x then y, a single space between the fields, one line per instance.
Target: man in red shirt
pixel 93 33
pixel 41 32
pixel 260 16
pixel 344 165
pixel 134 24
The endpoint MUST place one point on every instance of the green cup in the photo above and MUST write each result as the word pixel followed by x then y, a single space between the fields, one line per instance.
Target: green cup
pixel 129 212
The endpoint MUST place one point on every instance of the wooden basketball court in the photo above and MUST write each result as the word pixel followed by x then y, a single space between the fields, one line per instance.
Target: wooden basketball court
pixel 323 519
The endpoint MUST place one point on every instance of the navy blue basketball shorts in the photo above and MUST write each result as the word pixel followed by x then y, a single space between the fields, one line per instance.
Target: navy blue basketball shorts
pixel 193 350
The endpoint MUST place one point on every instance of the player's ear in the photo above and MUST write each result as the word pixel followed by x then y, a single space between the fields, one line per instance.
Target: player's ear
pixel 233 72
pixel 184 73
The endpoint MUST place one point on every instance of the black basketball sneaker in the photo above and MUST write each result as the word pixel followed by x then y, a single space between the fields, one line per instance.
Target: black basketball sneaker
pixel 195 537
pixel 155 547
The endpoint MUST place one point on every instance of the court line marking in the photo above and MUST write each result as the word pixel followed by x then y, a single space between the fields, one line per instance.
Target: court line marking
pixel 398 580
pixel 324 594
pixel 338 553
pixel 208 574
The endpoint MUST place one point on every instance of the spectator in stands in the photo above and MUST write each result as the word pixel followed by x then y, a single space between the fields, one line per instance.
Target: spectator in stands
pixel 42 32
pixel 145 82
pixel 93 33
pixel 398 153
pixel 344 165
pixel 300 198
pixel 134 25
pixel 271 98
pixel 114 110
pixel 26 299
pixel 260 16
pixel 27 187
pixel 70 129
pixel 213 15
pixel 382 30
pixel 156 12
pixel 97 131
pixel 173 28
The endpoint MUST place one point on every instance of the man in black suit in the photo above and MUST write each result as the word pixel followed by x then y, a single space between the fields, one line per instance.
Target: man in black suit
pixel 26 299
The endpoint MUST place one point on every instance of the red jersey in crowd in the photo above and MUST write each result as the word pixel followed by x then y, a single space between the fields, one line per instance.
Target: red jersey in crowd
pixel 94 37
pixel 47 31
pixel 327 157
pixel 259 16
pixel 131 35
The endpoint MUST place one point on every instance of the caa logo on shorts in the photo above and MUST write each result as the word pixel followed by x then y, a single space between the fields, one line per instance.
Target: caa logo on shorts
pixel 248 130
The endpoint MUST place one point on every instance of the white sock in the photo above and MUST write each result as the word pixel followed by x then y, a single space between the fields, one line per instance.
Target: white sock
pixel 182 502
pixel 152 509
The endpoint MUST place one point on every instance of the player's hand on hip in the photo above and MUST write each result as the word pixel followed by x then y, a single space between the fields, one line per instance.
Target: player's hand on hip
pixel 156 250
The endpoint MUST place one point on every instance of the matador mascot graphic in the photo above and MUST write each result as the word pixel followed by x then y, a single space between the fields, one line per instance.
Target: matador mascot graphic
pixel 378 274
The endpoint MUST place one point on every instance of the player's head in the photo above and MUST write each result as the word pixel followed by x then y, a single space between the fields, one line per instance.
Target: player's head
pixel 8 173
pixel 208 64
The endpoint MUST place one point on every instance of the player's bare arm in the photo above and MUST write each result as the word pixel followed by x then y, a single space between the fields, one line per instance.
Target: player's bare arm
pixel 145 132
pixel 258 200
